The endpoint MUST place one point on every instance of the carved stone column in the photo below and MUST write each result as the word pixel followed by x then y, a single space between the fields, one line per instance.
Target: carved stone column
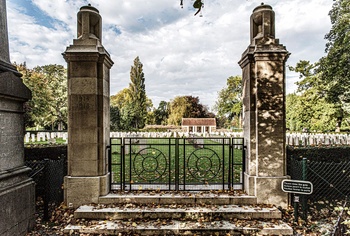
pixel 88 111
pixel 263 77
pixel 17 190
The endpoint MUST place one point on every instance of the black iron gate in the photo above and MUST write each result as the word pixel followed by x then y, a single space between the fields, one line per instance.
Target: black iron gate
pixel 176 163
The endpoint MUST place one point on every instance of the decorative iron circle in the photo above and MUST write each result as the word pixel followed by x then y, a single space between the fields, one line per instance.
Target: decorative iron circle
pixel 150 164
pixel 204 164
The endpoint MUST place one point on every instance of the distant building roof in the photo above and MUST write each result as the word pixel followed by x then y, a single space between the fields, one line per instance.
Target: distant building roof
pixel 199 122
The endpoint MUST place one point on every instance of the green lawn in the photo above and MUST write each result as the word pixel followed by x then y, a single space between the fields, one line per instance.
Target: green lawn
pixel 153 161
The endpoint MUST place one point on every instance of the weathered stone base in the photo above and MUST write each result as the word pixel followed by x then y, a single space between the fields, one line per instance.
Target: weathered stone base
pixel 267 189
pixel 85 190
pixel 17 202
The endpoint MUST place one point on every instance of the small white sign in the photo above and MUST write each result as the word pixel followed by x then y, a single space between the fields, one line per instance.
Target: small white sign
pixel 297 186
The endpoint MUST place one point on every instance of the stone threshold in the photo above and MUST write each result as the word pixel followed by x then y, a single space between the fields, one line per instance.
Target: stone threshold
pixel 173 227
pixel 178 212
pixel 167 198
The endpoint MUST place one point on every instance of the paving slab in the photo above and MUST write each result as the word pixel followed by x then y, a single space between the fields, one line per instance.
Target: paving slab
pixel 158 227
pixel 176 198
pixel 129 211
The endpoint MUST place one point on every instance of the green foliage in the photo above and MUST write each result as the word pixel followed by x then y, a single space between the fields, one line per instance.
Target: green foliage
pixel 161 113
pixel 138 95
pixel 119 103
pixel 186 107
pixel 177 109
pixel 324 86
pixel 229 103
pixel 48 107
pixel 115 118
pixel 303 112
pixel 130 108
pixel 310 109
pixel 334 67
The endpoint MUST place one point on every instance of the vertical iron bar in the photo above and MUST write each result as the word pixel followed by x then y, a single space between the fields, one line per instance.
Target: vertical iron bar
pixel 296 207
pixel 223 163
pixel 244 148
pixel 304 196
pixel 122 167
pixel 46 190
pixel 184 163
pixel 109 153
pixel 177 162
pixel 230 164
pixel 169 162
pixel 130 157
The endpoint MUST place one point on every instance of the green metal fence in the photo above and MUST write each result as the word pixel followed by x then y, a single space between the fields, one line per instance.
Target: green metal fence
pixel 331 188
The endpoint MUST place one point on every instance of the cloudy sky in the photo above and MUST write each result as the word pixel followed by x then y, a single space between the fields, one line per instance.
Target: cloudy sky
pixel 182 54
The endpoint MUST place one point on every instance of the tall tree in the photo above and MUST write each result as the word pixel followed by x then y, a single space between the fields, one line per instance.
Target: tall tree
pixel 138 94
pixel 229 102
pixel 334 67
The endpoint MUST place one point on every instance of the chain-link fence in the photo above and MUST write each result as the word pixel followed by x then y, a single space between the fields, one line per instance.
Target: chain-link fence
pixel 331 187
pixel 331 180
pixel 48 175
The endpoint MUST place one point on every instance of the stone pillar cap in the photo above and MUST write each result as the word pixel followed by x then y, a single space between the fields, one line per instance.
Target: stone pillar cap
pixel 262 7
pixel 89 8
pixel 89 23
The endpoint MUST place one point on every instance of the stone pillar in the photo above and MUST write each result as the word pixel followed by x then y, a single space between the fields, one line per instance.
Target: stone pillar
pixel 263 78
pixel 88 112
pixel 17 190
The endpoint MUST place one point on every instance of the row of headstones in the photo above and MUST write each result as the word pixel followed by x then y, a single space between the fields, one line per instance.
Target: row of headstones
pixel 173 134
pixel 45 137
pixel 292 139
pixel 306 139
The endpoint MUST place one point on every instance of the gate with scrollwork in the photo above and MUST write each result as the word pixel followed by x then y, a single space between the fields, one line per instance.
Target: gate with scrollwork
pixel 176 163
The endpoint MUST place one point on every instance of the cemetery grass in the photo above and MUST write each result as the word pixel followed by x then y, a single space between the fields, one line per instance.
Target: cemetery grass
pixel 154 162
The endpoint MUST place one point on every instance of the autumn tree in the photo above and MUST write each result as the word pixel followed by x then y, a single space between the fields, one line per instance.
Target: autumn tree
pixel 186 107
pixel 48 106
pixel 56 76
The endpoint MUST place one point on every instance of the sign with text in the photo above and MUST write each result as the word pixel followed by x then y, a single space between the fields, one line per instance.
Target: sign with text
pixel 297 186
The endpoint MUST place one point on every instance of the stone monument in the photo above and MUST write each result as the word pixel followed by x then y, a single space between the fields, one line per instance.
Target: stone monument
pixel 88 111
pixel 263 78
pixel 17 190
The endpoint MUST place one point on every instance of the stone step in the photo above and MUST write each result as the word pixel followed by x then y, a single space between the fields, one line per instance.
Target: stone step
pixel 176 198
pixel 173 227
pixel 176 212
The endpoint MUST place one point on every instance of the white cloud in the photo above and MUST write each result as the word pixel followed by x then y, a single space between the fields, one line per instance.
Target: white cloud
pixel 182 54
